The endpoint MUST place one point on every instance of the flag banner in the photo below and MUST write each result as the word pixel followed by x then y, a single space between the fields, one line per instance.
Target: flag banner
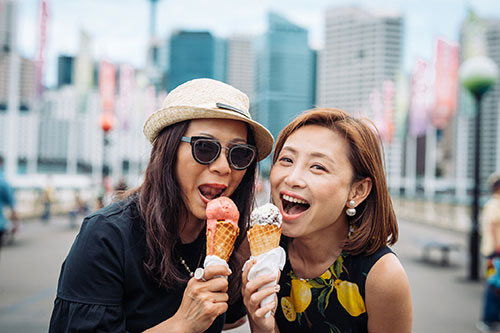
pixel 421 98
pixel 474 41
pixel 388 116
pixel 107 86
pixel 83 71
pixel 42 41
pixel 126 88
pixel 401 104
pixel 446 82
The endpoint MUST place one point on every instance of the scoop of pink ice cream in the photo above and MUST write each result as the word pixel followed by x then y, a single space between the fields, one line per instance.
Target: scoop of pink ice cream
pixel 221 208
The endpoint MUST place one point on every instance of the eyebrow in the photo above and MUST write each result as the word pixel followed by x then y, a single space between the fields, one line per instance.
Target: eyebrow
pixel 234 140
pixel 312 154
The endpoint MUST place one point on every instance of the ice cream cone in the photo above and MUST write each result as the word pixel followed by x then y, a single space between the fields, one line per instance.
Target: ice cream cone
pixel 222 227
pixel 222 242
pixel 263 238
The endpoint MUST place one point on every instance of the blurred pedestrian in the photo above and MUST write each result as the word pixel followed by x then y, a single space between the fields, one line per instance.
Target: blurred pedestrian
pixel 340 275
pixel 7 200
pixel 490 247
pixel 132 266
pixel 47 199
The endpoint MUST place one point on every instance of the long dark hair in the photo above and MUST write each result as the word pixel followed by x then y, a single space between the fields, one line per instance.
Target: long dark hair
pixel 161 207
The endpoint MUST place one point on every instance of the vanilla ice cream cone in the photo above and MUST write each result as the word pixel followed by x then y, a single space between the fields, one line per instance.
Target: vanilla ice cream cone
pixel 263 238
pixel 265 229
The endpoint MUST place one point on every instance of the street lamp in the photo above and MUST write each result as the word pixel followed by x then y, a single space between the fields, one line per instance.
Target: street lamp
pixel 106 125
pixel 478 75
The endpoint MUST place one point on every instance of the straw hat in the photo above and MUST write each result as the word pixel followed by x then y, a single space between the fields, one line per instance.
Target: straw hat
pixel 207 98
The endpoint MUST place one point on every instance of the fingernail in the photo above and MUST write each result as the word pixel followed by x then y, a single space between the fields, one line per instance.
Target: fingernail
pixel 277 288
pixel 230 271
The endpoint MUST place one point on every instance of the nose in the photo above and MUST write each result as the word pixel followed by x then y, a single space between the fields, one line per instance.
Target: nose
pixel 295 179
pixel 221 164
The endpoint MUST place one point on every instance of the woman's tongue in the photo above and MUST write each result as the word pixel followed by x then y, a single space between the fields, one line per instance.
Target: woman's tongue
pixel 210 192
pixel 294 208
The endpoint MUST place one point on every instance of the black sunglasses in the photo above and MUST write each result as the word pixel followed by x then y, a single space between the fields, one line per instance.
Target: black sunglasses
pixel 206 151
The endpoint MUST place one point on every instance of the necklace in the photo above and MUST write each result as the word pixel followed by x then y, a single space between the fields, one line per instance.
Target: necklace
pixel 183 262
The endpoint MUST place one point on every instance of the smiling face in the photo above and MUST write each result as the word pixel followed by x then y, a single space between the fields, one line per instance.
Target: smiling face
pixel 311 182
pixel 201 183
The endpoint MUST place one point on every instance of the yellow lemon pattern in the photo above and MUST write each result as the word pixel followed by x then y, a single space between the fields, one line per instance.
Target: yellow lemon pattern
pixel 334 301
pixel 350 298
pixel 288 310
pixel 301 294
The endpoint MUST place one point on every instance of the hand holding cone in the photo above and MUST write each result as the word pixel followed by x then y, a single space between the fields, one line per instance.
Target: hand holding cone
pixel 264 238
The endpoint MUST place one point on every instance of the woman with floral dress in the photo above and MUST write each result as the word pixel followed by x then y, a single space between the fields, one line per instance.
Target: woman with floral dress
pixel 338 222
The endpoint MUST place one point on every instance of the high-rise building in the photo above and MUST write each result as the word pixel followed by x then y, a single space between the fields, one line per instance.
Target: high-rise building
pixel 240 63
pixel 362 50
pixel 65 70
pixel 195 54
pixel 285 74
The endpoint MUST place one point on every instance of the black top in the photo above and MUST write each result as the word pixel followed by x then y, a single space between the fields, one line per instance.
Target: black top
pixel 103 286
pixel 331 302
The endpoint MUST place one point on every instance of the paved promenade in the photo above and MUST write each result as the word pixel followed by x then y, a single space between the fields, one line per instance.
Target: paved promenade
pixel 444 300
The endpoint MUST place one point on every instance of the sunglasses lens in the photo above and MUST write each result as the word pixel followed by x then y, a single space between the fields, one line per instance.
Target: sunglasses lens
pixel 241 156
pixel 206 151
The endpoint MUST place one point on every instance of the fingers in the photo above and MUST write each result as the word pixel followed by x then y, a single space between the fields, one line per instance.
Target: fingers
pixel 216 270
pixel 244 276
pixel 257 296
pixel 259 282
pixel 261 312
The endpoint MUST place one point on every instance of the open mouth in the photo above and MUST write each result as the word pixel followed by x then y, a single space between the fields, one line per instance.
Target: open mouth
pixel 211 192
pixel 293 205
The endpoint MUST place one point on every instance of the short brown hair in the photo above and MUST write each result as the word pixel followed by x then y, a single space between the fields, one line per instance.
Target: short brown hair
pixel 375 219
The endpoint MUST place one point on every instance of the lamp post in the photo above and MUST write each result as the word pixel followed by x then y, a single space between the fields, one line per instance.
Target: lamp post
pixel 106 126
pixel 478 75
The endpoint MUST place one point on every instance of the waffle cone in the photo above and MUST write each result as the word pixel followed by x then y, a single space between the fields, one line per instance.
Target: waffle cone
pixel 221 244
pixel 263 238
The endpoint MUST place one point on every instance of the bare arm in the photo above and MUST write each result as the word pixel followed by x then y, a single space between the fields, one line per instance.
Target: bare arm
pixel 388 297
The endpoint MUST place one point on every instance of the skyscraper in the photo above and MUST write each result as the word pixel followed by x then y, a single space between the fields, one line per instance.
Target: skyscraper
pixel 285 73
pixel 195 54
pixel 363 49
pixel 240 63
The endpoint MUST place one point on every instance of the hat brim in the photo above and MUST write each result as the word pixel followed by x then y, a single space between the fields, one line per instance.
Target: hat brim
pixel 175 114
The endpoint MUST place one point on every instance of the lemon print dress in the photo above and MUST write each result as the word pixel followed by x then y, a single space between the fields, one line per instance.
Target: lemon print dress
pixel 332 302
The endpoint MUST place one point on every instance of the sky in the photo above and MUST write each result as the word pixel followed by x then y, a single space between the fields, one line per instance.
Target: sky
pixel 120 28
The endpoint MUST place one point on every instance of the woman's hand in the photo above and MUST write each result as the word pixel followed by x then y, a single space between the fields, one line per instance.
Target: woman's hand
pixel 252 297
pixel 202 302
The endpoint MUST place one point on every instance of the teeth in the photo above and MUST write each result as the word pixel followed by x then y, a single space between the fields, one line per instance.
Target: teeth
pixel 294 200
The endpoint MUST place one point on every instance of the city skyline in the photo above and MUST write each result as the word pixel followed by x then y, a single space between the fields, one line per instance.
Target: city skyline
pixel 121 42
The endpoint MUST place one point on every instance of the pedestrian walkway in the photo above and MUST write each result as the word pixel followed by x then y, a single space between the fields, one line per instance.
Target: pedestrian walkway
pixel 444 299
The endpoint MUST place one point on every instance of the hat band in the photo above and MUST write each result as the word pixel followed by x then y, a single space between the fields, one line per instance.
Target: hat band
pixel 231 108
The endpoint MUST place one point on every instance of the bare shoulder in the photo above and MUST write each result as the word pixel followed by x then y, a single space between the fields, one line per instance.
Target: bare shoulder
pixel 388 296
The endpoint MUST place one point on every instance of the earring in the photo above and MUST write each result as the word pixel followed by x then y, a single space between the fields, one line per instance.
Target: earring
pixel 351 211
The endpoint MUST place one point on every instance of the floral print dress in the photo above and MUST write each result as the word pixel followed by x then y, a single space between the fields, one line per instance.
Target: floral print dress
pixel 332 302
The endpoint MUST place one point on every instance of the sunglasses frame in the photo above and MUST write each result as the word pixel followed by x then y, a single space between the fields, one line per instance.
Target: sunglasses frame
pixel 193 139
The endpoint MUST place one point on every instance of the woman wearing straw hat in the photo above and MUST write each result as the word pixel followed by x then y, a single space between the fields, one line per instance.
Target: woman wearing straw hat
pixel 131 267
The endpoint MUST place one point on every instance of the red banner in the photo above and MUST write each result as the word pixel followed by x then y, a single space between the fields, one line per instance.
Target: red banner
pixel 446 82
pixel 107 86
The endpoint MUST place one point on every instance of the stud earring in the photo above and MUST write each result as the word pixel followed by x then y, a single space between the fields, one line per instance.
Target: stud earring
pixel 351 211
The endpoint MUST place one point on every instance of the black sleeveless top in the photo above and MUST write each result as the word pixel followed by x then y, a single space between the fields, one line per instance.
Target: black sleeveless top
pixel 331 302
